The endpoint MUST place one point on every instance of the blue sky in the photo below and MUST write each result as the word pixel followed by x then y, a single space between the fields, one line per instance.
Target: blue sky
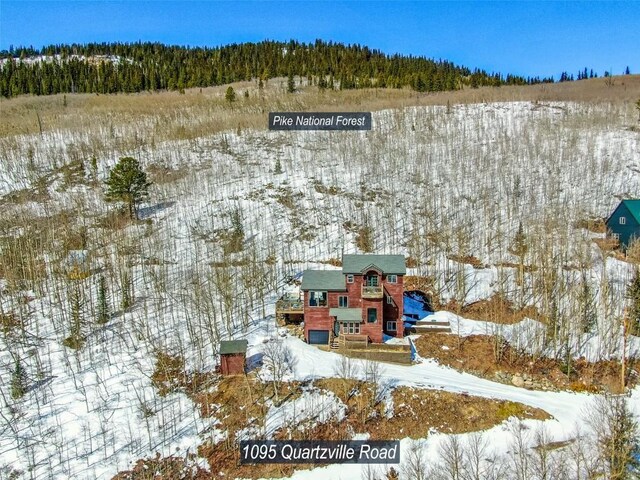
pixel 526 38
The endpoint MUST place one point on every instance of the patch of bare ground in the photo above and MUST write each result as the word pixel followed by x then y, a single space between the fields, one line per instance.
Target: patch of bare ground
pixel 595 225
pixel 525 268
pixel 496 309
pixel 607 244
pixel 490 357
pixel 168 468
pixel 416 412
pixel 475 262
pixel 240 402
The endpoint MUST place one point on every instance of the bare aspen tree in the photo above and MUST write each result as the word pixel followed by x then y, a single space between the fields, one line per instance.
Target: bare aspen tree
pixel 519 447
pixel 415 466
pixel 452 454
pixel 475 452
pixel 279 360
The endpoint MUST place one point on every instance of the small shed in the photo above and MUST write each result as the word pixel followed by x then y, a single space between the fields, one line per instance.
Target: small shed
pixel 233 354
pixel 624 223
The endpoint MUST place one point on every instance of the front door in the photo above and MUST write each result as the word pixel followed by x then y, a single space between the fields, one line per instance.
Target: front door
pixel 336 328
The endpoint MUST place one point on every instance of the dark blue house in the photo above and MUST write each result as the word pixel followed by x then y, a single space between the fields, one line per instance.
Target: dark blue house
pixel 624 222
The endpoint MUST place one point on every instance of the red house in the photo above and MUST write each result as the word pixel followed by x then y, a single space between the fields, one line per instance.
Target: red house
pixel 364 299
pixel 233 357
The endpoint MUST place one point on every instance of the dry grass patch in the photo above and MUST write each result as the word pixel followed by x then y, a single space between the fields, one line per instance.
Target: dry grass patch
pixel 496 309
pixel 608 244
pixel 475 262
pixel 416 412
pixel 168 468
pixel 595 225
pixel 491 357
pixel 240 402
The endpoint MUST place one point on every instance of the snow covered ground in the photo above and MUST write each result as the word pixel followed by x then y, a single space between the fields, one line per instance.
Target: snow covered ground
pixel 429 184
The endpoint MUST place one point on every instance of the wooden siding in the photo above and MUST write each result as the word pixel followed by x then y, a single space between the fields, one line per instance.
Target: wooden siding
pixel 232 364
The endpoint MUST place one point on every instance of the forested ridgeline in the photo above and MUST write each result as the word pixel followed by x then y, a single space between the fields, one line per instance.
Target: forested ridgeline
pixel 135 67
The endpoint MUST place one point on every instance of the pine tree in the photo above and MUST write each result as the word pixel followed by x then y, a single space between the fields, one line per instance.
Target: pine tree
pixel 519 247
pixel 278 168
pixel 291 84
pixel 75 339
pixel 18 381
pixel 127 183
pixel 230 95
pixel 103 301
pixel 125 289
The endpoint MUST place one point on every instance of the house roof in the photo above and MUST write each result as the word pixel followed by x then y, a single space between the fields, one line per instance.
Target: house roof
pixel 634 208
pixel 233 346
pixel 385 263
pixel 633 205
pixel 352 315
pixel 323 280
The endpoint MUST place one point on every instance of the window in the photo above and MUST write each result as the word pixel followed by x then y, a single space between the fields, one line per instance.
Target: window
pixel 371 280
pixel 350 328
pixel 349 278
pixel 343 301
pixel 392 326
pixel 392 278
pixel 372 315
pixel 623 220
pixel 317 299
pixel 389 300
pixel 616 236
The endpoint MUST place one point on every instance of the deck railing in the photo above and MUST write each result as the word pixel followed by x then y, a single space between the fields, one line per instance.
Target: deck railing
pixel 371 292
pixel 285 305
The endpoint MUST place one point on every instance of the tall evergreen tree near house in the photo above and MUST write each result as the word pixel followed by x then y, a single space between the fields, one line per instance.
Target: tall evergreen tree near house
pixel 127 183
pixel 230 95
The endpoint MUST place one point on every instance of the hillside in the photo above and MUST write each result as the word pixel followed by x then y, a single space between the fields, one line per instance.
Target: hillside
pixel 445 179
pixel 126 68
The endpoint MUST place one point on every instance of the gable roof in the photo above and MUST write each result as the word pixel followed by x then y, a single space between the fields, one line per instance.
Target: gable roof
pixel 387 263
pixel 233 346
pixel 633 205
pixel 634 208
pixel 323 280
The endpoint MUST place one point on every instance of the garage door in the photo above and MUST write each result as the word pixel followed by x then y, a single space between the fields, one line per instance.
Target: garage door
pixel 319 337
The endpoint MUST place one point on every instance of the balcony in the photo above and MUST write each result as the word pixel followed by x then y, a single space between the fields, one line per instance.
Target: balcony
pixel 372 292
pixel 289 305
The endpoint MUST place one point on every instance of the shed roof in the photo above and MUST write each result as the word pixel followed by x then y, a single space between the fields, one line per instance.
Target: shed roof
pixel 347 314
pixel 323 280
pixel 228 347
pixel 387 263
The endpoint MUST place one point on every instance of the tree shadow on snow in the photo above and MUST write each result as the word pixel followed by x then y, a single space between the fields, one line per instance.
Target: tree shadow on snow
pixel 146 212
pixel 254 361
